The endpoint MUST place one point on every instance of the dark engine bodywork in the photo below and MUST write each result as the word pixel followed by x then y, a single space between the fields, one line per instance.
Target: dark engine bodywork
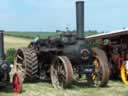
pixel 4 66
pixel 70 44
pixel 4 71
pixel 76 49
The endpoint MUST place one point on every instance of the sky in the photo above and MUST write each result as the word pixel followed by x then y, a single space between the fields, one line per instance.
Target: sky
pixel 50 15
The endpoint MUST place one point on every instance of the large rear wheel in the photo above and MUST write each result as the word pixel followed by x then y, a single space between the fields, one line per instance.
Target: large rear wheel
pixel 61 72
pixel 101 74
pixel 26 61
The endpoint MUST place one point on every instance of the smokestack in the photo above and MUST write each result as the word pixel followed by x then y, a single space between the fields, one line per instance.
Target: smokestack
pixel 80 18
pixel 1 45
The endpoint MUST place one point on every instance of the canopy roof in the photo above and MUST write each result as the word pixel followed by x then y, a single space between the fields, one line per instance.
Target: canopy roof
pixel 112 34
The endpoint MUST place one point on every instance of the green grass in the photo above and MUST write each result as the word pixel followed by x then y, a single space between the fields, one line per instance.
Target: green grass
pixel 31 34
pixel 115 88
pixel 15 42
pixel 41 34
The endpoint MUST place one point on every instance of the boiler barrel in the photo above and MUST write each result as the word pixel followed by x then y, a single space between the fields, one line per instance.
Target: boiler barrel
pixel 1 45
pixel 80 18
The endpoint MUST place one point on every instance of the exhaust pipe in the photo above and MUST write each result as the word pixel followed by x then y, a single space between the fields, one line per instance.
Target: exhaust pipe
pixel 2 56
pixel 80 19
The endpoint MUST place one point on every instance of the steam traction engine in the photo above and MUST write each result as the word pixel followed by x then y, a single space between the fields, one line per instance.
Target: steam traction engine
pixel 59 58
pixel 115 44
pixel 5 68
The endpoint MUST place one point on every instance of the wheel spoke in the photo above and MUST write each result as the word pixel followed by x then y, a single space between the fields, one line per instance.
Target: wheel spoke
pixel 61 69
pixel 59 76
pixel 63 77
pixel 58 65
pixel 19 57
pixel 55 72
pixel 21 68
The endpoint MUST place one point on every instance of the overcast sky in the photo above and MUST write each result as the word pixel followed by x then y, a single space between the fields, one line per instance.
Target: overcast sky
pixel 49 15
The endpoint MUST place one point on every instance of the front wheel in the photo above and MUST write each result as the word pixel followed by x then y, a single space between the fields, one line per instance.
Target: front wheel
pixel 17 83
pixel 61 72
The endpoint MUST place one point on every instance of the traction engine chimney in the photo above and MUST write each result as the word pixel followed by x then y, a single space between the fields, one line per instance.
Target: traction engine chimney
pixel 80 18
pixel 1 45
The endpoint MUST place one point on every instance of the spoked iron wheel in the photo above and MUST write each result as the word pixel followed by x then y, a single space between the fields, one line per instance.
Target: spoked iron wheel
pixel 19 64
pixel 26 61
pixel 97 75
pixel 61 72
pixel 17 83
pixel 101 74
pixel 124 74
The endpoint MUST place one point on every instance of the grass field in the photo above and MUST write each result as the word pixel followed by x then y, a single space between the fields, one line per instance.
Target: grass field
pixel 15 42
pixel 41 34
pixel 31 34
pixel 115 88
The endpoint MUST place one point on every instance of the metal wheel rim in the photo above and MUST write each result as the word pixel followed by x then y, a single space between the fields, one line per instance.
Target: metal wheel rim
pixel 101 56
pixel 57 72
pixel 60 77
pixel 19 62
pixel 98 73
